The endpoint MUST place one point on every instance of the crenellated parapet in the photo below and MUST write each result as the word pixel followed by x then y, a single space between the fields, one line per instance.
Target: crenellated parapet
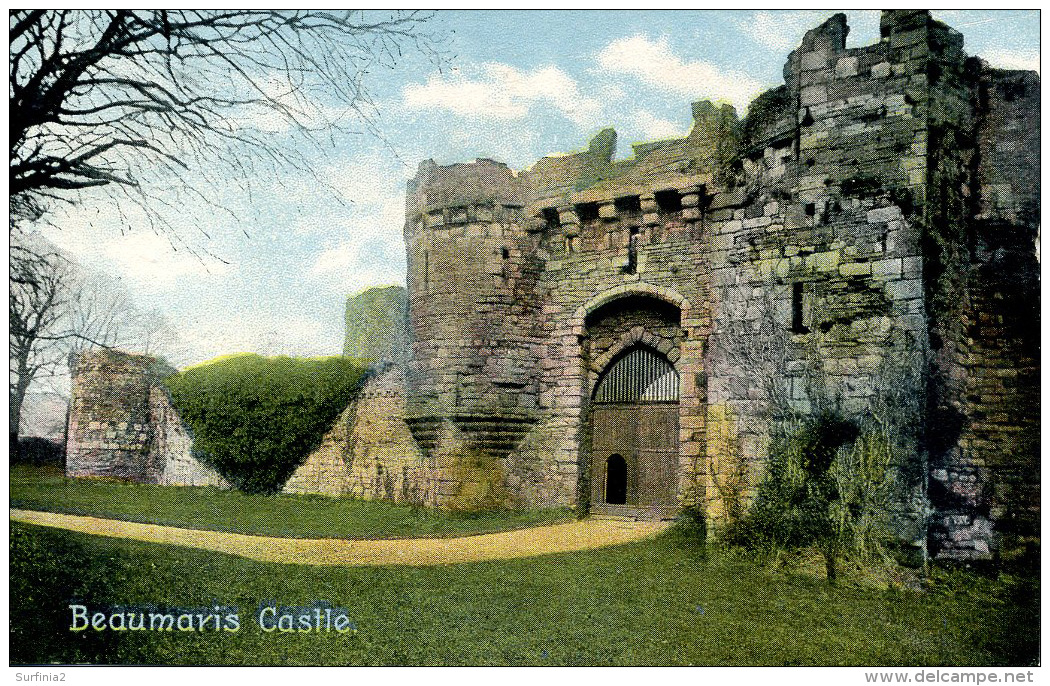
pixel 854 221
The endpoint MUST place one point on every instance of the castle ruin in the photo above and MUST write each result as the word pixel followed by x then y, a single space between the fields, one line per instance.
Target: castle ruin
pixel 622 335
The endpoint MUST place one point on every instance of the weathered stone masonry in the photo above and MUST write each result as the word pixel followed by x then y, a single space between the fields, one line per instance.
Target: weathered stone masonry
pixel 869 225
pixel 863 239
pixel 122 424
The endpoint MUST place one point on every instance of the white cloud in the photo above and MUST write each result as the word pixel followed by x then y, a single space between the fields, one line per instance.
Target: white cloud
pixel 656 128
pixel 1012 59
pixel 780 31
pixel 372 252
pixel 501 91
pixel 266 334
pixel 656 64
pixel 359 264
pixel 149 260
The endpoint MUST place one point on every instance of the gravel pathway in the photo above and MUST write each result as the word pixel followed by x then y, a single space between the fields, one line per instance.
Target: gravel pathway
pixel 557 538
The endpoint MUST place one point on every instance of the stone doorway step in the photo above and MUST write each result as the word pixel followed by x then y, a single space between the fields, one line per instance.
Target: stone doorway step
pixel 633 513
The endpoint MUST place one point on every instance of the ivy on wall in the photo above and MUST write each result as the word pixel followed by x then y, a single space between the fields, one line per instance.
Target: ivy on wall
pixel 256 419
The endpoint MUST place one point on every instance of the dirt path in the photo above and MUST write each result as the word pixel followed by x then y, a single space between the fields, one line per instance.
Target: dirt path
pixel 557 538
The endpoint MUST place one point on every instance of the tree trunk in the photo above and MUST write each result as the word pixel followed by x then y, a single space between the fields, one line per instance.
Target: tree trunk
pixel 18 396
pixel 830 553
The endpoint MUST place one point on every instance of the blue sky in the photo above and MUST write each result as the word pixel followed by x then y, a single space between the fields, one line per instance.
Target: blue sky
pixel 519 85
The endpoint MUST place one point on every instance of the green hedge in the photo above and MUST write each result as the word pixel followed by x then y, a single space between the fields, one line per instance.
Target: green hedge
pixel 256 419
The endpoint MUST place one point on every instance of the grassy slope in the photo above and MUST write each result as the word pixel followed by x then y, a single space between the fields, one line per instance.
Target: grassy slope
pixel 278 515
pixel 654 602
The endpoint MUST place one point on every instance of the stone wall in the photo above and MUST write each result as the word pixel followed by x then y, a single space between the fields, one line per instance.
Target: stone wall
pixel 109 418
pixel 369 452
pixel 816 258
pixel 988 478
pixel 172 446
pixel 122 424
pixel 844 247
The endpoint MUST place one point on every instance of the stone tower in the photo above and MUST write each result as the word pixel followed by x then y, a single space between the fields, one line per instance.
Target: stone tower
pixel 628 335
pixel 472 381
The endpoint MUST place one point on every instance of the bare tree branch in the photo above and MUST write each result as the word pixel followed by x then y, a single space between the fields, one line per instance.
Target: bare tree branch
pixel 58 309
pixel 132 98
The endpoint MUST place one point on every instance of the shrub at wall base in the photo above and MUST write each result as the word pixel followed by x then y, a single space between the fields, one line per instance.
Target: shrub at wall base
pixel 256 419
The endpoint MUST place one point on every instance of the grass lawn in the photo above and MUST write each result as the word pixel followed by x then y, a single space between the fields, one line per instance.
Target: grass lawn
pixel 300 516
pixel 657 602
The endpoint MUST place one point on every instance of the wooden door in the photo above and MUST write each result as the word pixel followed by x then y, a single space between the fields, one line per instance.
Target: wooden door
pixel 635 417
pixel 613 434
pixel 657 441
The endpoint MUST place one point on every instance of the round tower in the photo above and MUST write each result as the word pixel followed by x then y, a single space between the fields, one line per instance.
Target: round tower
pixel 471 297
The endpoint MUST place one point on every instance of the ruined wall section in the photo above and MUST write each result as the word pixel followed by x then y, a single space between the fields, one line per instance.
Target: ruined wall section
pixel 993 476
pixel 849 250
pixel 109 418
pixel 369 452
pixel 122 424
pixel 172 446
pixel 816 258
pixel 980 278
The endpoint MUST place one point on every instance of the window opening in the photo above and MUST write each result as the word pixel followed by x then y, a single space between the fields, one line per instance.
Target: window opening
pixel 587 212
pixel 797 310
pixel 669 202
pixel 632 252
pixel 629 204
pixel 553 219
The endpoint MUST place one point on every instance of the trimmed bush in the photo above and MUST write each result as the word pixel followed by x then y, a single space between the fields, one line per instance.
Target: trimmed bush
pixel 256 419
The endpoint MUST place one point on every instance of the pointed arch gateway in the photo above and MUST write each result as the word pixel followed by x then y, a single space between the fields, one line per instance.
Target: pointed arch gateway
pixel 634 435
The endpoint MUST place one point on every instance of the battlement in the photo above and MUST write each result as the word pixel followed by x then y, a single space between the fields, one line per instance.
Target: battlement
pixel 484 183
pixel 877 100
pixel 861 209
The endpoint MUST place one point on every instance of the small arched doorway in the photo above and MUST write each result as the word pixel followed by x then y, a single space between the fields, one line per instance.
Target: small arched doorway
pixel 616 480
pixel 634 435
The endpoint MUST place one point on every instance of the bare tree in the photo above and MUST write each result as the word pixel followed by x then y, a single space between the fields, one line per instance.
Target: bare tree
pixel 57 309
pixel 125 98
pixel 37 303
pixel 152 334
pixel 98 312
